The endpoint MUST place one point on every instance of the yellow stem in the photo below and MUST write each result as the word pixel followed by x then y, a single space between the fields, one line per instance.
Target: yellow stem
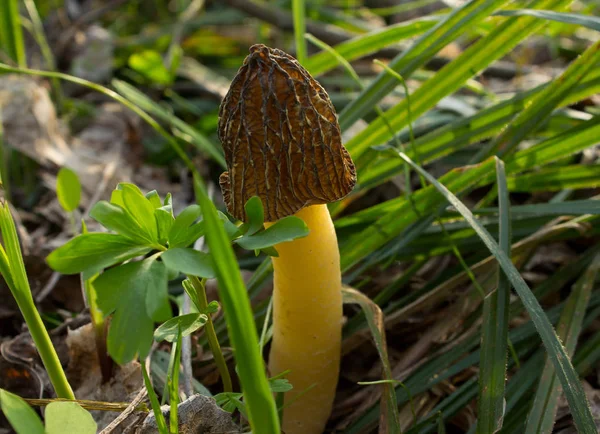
pixel 307 321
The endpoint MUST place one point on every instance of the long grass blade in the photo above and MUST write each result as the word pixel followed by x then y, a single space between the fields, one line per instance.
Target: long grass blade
pixel 544 103
pixel 389 418
pixel 421 51
pixel 450 78
pixel 262 411
pixel 588 21
pixel 494 337
pixel 576 397
pixel 459 180
pixel 463 132
pixel 368 43
pixel 11 33
pixel 543 411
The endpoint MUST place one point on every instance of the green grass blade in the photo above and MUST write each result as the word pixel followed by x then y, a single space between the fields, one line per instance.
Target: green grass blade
pixel 12 268
pixel 158 415
pixel 588 21
pixel 11 33
pixel 42 41
pixel 557 178
pixel 299 16
pixel 240 322
pixel 543 411
pixel 458 180
pixel 466 131
pixel 390 417
pixel 494 337
pixel 369 43
pixel 113 95
pixel 196 138
pixel 544 103
pixel 173 382
pixel 576 397
pixel 450 78
pixel 421 51
pixel 572 207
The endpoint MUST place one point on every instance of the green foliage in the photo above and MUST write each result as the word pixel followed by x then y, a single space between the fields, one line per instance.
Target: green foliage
pixel 458 122
pixel 68 189
pixel 61 417
pixel 137 293
pixel 150 64
pixel 68 417
pixel 186 324
pixel 20 415
pixel 11 34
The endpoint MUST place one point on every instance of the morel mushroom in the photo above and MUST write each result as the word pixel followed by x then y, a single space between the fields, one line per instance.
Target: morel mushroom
pixel 282 143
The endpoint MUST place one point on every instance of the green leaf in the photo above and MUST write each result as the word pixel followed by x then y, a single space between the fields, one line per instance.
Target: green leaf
pixel 141 210
pixel 137 293
pixel 68 189
pixel 231 229
pixel 189 261
pixel 395 215
pixel 92 252
pixel 20 415
pixel 149 63
pixel 287 229
pixel 157 292
pixel 256 215
pixel 280 385
pixel 231 401
pixel 188 324
pixel 164 222
pixel 576 397
pixel 117 219
pixel 68 418
pixel 116 198
pixel 131 330
pixel 183 230
pixel 154 198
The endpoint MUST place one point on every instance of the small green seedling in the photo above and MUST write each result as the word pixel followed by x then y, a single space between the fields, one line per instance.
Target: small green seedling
pixel 146 246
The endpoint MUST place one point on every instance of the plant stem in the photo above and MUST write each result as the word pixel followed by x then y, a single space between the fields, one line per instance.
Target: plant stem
pixel 100 326
pixel 12 269
pixel 211 335
pixel 46 349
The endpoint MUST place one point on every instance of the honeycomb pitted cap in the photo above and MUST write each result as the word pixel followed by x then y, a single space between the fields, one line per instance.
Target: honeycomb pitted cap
pixel 281 138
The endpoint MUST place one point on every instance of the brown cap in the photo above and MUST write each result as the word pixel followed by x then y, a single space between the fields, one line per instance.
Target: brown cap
pixel 281 138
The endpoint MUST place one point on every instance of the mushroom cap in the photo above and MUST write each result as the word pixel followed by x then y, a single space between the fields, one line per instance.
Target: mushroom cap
pixel 281 138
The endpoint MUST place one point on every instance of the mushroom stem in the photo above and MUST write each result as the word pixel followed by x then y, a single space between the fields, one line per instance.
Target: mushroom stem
pixel 307 321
